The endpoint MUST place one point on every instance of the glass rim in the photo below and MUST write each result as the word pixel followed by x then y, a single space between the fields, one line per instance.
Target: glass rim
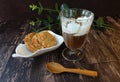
pixel 61 12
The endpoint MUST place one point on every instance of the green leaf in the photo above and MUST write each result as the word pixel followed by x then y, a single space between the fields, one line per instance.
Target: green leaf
pixel 32 23
pixel 50 12
pixel 100 22
pixel 49 27
pixel 35 30
pixel 47 24
pixel 33 7
pixel 40 8
pixel 40 11
pixel 64 6
pixel 50 20
pixel 56 7
pixel 40 5
pixel 38 21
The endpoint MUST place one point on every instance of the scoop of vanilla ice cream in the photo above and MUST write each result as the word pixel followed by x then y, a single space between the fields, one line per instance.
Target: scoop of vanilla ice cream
pixel 85 25
pixel 79 26
pixel 73 27
pixel 70 26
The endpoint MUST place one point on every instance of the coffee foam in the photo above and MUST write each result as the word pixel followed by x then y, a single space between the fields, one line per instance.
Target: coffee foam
pixel 78 27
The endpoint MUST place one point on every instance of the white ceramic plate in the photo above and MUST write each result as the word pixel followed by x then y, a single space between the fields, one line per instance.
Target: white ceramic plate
pixel 22 51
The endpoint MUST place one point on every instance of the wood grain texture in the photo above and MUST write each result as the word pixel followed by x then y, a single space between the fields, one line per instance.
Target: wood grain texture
pixel 101 50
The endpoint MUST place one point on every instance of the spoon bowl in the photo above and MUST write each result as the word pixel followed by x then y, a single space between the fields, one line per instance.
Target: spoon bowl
pixel 58 68
pixel 55 67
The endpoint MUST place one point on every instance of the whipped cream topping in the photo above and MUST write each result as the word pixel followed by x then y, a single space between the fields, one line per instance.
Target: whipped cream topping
pixel 79 26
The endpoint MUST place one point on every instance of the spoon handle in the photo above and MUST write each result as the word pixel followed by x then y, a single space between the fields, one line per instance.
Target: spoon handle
pixel 80 71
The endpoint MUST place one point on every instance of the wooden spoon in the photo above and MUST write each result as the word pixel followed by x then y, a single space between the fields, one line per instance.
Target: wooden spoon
pixel 57 68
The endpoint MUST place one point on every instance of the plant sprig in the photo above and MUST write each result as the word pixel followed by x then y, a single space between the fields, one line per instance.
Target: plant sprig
pixel 50 22
pixel 99 23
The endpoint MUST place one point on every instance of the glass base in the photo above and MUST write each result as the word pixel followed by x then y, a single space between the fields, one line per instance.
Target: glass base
pixel 73 56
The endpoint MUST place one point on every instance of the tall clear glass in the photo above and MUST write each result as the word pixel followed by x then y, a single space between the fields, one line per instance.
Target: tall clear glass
pixel 75 24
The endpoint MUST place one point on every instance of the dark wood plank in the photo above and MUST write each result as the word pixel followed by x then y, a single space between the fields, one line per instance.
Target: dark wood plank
pixel 108 71
pixel 101 50
pixel 9 38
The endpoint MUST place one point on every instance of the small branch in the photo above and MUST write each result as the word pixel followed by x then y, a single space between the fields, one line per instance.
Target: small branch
pixel 50 10
pixel 54 24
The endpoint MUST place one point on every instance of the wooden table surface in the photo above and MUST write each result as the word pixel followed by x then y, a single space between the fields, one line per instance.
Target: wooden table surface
pixel 101 50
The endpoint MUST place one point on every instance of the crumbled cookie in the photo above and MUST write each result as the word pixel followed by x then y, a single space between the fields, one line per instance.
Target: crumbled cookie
pixel 27 41
pixel 46 39
pixel 35 41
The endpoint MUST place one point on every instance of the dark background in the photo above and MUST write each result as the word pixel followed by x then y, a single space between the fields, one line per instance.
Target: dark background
pixel 19 9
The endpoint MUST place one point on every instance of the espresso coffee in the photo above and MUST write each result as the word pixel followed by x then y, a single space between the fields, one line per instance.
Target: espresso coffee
pixel 73 42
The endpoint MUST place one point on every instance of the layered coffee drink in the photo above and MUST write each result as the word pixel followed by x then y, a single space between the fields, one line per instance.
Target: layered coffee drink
pixel 75 26
pixel 75 30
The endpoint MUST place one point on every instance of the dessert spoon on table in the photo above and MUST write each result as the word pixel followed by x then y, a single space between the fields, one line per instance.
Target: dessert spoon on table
pixel 58 68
